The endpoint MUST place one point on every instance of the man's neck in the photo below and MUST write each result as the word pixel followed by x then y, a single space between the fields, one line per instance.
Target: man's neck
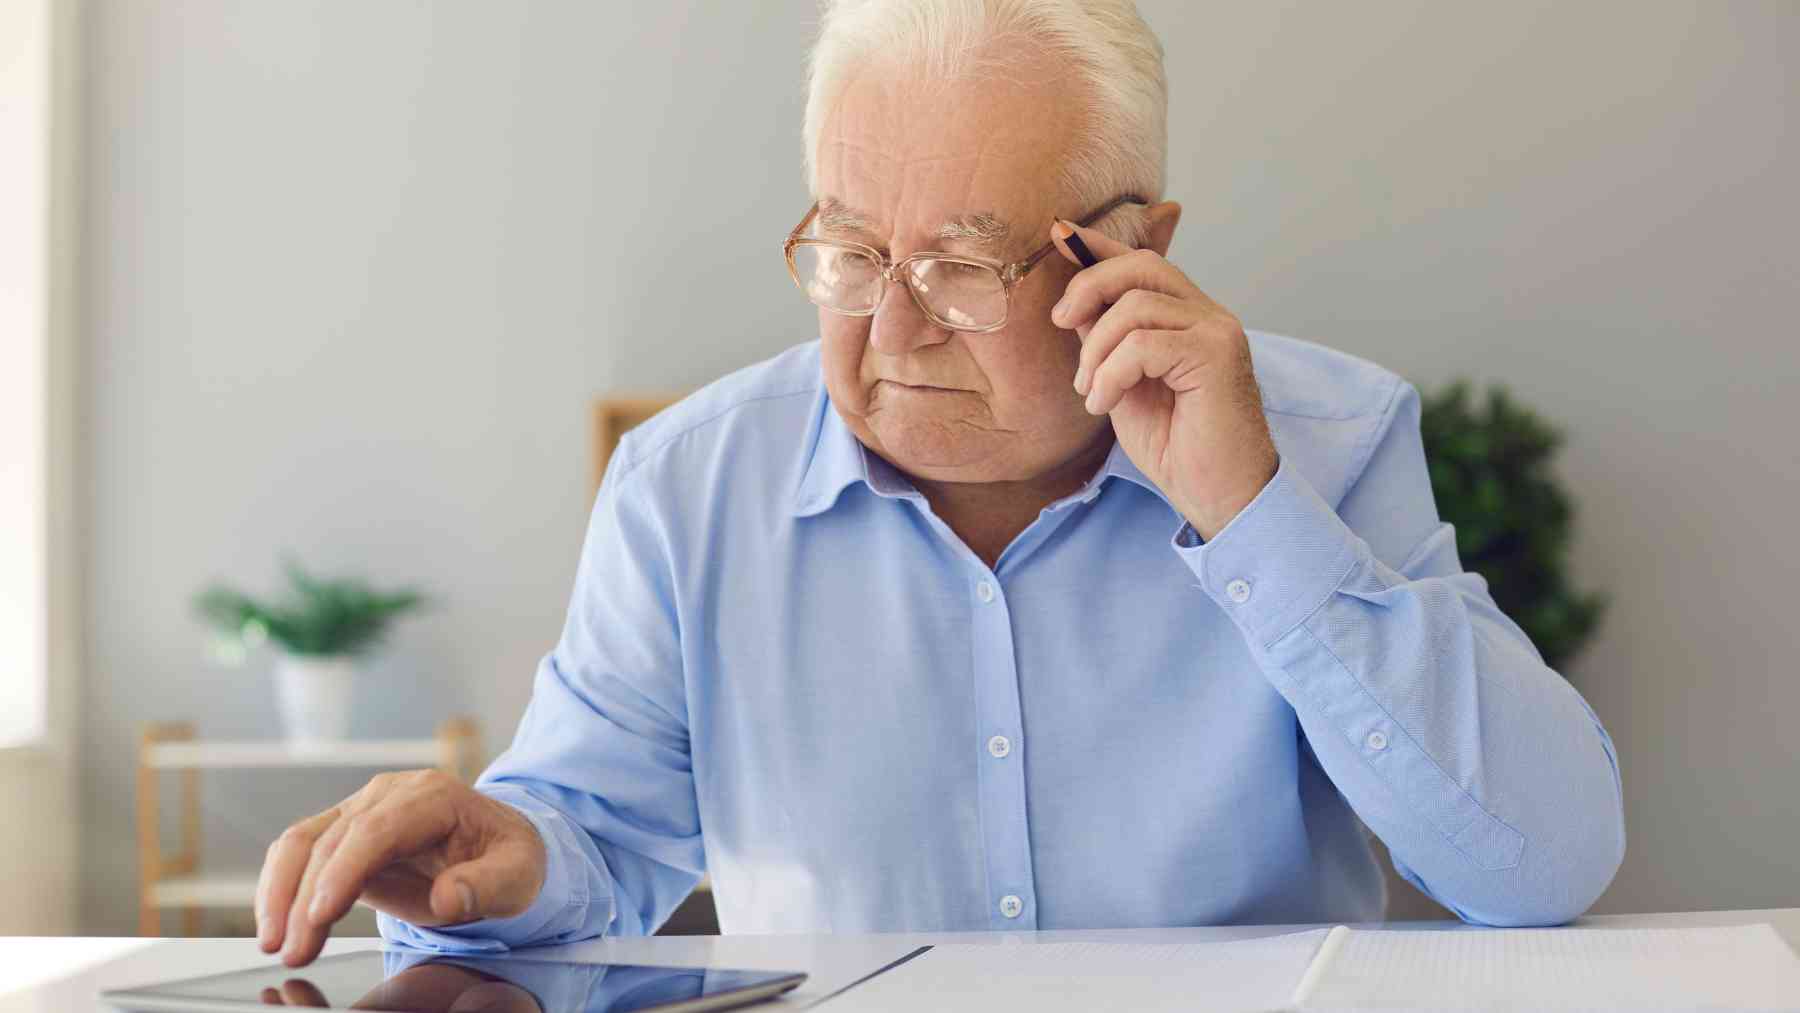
pixel 987 516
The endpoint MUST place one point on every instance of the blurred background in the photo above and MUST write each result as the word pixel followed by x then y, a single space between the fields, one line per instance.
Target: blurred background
pixel 342 282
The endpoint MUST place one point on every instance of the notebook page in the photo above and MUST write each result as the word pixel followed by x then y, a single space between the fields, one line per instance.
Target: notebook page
pixel 1234 975
pixel 1725 967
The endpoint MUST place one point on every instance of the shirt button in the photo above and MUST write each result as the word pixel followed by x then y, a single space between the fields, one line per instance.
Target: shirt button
pixel 1238 591
pixel 999 745
pixel 1011 906
pixel 1376 740
pixel 984 591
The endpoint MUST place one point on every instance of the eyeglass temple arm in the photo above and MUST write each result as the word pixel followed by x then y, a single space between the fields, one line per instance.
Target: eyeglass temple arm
pixel 810 212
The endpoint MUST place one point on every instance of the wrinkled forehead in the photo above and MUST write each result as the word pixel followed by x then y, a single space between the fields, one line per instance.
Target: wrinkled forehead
pixel 908 157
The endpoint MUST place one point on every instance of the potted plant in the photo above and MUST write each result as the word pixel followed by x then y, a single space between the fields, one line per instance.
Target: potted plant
pixel 322 628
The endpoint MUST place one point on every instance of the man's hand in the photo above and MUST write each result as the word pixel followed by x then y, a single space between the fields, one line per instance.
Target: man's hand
pixel 420 845
pixel 1173 369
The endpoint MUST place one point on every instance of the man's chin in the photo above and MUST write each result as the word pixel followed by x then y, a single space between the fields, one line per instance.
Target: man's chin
pixel 939 451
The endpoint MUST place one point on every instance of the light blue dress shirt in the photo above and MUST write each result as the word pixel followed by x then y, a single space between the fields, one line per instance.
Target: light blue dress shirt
pixel 780 667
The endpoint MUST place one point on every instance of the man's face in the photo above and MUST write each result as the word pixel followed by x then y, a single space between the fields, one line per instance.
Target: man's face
pixel 944 405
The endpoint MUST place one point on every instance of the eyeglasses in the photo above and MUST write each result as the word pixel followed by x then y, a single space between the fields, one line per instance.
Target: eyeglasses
pixel 959 292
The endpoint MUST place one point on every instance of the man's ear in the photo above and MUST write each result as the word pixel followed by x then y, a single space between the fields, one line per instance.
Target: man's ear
pixel 1163 219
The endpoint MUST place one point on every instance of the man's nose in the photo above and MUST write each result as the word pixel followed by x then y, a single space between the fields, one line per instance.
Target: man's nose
pixel 899 326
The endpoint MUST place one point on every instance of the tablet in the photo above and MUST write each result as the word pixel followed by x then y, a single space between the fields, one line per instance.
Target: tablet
pixel 415 981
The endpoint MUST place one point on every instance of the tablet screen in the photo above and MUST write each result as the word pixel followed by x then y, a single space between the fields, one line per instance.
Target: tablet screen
pixel 421 980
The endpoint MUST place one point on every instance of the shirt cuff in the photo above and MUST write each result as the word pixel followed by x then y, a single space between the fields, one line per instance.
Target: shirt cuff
pixel 560 905
pixel 1277 561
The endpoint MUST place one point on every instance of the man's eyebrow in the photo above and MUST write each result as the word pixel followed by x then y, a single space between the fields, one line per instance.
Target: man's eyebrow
pixel 837 216
pixel 980 227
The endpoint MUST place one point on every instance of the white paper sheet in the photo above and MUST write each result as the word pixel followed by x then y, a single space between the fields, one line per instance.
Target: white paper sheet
pixel 1717 968
pixel 1236 975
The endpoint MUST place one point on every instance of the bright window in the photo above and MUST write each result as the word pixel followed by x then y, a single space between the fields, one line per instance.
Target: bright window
pixel 24 388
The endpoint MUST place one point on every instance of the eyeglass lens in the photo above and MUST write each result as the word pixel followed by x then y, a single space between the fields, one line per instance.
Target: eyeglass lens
pixel 849 281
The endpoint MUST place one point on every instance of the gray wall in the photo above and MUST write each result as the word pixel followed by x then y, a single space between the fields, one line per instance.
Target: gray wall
pixel 355 271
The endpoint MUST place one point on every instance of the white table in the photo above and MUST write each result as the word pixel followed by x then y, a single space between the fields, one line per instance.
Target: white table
pixel 65 973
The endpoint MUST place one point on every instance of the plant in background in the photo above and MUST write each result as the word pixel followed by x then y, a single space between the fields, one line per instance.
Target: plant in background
pixel 1490 473
pixel 318 618
pixel 322 627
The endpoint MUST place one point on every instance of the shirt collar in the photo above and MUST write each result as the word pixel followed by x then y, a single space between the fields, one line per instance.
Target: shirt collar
pixel 834 459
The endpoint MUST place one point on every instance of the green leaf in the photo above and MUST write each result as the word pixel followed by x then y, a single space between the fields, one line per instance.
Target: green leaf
pixel 316 617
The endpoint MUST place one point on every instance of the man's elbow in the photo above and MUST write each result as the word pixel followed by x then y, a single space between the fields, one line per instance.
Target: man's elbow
pixel 1560 885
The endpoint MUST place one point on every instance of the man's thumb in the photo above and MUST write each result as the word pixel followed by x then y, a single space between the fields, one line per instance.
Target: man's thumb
pixel 485 887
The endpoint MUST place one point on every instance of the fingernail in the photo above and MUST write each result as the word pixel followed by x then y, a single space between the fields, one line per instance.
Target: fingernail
pixel 1081 380
pixel 468 898
pixel 1090 403
pixel 319 904
pixel 1062 229
pixel 1057 311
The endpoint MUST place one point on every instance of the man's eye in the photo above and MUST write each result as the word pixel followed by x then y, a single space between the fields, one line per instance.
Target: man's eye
pixel 956 270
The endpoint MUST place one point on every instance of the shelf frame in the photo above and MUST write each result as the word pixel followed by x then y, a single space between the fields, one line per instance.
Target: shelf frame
pixel 174 879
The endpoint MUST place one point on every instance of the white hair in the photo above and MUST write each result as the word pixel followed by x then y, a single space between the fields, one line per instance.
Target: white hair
pixel 1124 145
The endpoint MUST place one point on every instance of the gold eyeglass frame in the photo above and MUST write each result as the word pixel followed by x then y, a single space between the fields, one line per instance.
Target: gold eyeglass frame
pixel 1010 274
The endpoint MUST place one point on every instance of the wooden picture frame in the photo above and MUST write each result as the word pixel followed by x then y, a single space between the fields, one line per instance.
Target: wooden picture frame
pixel 613 416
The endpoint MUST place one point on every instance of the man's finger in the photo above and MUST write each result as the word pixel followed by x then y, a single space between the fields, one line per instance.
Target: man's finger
pixel 280 876
pixel 494 888
pixel 1120 269
pixel 1171 356
pixel 304 940
pixel 402 824
pixel 1136 310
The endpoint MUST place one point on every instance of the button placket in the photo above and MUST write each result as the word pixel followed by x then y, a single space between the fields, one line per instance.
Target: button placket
pixel 1000 773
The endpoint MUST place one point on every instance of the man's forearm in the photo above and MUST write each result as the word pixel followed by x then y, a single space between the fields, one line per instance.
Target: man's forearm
pixel 1489 778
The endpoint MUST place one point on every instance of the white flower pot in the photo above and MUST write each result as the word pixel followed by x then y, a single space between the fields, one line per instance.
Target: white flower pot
pixel 314 694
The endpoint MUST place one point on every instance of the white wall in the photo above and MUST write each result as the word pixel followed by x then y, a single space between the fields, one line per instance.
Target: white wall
pixel 40 635
pixel 358 268
pixel 25 175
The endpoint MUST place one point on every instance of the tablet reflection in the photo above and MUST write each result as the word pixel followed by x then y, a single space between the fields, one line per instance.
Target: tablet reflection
pixel 428 982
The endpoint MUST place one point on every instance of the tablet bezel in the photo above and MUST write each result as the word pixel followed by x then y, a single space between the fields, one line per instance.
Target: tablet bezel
pixel 136 998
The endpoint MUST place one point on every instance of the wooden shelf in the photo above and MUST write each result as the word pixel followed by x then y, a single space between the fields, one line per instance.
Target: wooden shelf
pixel 348 753
pixel 218 890
pixel 176 880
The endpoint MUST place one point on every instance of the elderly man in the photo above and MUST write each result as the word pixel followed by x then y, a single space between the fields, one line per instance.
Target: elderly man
pixel 1031 595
